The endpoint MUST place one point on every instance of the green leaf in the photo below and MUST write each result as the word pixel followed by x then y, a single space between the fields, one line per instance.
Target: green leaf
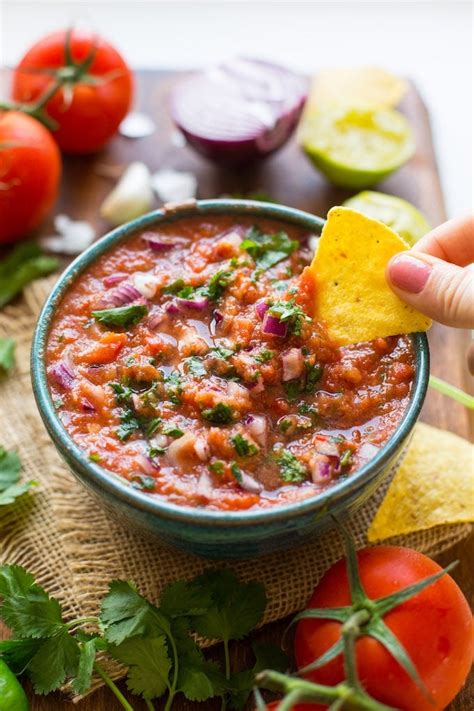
pixel 269 656
pixel 7 355
pixel 220 414
pixel 87 655
pixel 10 467
pixel 267 250
pixel 13 492
pixel 149 664
pixel 291 469
pixel 195 366
pixel 124 613
pixel 25 263
pixel 217 285
pixel 17 653
pixel 237 607
pixel 290 312
pixel 122 316
pixel 200 680
pixel 182 599
pixel 27 608
pixel 242 446
pixel 56 658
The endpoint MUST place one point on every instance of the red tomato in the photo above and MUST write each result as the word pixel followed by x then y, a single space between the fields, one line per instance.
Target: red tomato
pixel 435 627
pixel 30 168
pixel 88 112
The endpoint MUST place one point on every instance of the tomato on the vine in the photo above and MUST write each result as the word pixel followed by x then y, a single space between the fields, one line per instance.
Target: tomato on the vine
pixel 434 627
pixel 95 96
pixel 30 168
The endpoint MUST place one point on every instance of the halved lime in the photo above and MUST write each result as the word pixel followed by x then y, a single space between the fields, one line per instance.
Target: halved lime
pixel 400 215
pixel 356 148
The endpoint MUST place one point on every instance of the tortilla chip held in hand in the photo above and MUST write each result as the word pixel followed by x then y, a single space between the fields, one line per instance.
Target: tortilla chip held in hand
pixel 434 486
pixel 352 296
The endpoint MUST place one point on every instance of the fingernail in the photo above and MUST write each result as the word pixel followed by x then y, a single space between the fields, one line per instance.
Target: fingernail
pixel 408 273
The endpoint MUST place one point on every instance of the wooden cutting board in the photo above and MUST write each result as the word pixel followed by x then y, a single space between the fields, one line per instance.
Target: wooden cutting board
pixel 288 178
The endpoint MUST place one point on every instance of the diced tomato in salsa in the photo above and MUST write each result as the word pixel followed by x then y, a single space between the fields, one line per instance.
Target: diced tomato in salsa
pixel 186 361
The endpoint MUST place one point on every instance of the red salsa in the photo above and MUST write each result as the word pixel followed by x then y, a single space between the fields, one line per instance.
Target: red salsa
pixel 186 361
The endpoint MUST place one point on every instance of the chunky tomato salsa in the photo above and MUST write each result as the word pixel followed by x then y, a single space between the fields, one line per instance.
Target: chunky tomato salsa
pixel 186 360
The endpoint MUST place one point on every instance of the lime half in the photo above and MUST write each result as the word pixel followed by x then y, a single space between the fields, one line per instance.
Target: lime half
pixel 356 148
pixel 398 214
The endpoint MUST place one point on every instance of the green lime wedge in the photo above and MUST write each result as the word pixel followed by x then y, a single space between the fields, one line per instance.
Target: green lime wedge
pixel 398 214
pixel 356 148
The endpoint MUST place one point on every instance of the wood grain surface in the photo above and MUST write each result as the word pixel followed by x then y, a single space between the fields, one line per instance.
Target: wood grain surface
pixel 288 178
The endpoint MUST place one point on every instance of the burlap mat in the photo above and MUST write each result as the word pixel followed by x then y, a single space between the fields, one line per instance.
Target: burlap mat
pixel 74 549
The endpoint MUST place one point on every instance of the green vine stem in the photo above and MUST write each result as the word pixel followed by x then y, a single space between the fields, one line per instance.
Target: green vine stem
pixel 302 690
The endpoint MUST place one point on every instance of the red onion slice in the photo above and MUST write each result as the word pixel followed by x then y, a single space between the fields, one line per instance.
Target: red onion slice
pixel 198 304
pixel 158 243
pixel 240 110
pixel 272 326
pixel 261 307
pixel 249 483
pixel 113 279
pixel 62 374
pixel 123 294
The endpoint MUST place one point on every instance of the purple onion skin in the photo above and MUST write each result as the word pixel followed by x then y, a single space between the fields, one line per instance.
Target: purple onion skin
pixel 156 243
pixel 272 326
pixel 62 375
pixel 114 279
pixel 247 148
pixel 123 294
pixel 195 304
pixel 261 307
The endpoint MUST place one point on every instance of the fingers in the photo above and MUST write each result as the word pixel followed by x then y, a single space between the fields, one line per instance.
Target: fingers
pixel 452 241
pixel 443 291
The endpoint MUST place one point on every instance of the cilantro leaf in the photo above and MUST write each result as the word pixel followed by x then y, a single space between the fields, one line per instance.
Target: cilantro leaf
pixel 25 263
pixel 10 467
pixel 123 316
pixel 56 658
pixel 87 653
pixel 7 354
pixel 220 414
pixel 289 311
pixel 237 607
pixel 218 283
pixel 27 608
pixel 195 366
pixel 200 680
pixel 267 250
pixel 124 613
pixel 14 491
pixel 242 446
pixel 267 656
pixel 148 662
pixel 184 598
pixel 292 471
pixel 17 653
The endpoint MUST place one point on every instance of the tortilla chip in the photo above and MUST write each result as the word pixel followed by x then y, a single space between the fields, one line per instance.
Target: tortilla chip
pixel 353 298
pixel 434 486
pixel 364 87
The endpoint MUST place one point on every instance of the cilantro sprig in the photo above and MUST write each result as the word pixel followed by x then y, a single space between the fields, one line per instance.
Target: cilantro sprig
pixel 121 316
pixel 290 312
pixel 156 642
pixel 10 486
pixel 23 264
pixel 268 249
pixel 7 355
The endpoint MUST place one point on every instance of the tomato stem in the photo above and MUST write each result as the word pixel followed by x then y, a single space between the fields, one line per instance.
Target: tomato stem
pixel 351 630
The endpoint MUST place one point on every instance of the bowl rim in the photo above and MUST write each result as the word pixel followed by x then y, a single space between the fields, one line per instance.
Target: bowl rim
pixel 113 484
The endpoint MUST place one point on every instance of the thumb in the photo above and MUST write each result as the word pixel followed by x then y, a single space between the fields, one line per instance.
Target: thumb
pixel 443 291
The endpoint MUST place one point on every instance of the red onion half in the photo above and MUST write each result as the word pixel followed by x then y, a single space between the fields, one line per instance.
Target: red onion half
pixel 239 111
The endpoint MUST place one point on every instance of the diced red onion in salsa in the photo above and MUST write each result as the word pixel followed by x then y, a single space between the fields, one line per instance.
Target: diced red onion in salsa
pixel 196 373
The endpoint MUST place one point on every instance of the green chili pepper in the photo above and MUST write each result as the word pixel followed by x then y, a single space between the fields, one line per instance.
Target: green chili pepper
pixel 12 696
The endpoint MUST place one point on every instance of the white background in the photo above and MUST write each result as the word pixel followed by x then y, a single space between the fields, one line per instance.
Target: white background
pixel 429 41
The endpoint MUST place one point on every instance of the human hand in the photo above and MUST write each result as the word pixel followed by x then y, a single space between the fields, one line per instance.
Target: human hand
pixel 435 276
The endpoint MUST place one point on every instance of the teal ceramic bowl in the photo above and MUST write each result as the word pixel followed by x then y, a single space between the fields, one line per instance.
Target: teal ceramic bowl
pixel 215 534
